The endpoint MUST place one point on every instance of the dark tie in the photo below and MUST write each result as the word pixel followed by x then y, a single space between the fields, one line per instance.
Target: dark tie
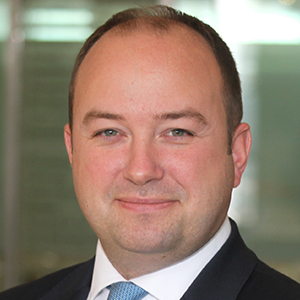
pixel 126 291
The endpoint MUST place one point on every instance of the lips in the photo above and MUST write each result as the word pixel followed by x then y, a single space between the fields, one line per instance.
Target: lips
pixel 145 205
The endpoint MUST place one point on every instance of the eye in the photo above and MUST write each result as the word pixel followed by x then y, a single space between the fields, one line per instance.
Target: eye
pixel 177 132
pixel 109 132
pixel 106 133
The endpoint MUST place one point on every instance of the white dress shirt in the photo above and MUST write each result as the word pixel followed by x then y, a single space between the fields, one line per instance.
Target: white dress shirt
pixel 167 284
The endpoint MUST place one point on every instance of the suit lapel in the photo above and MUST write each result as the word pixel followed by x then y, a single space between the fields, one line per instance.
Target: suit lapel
pixel 75 286
pixel 225 275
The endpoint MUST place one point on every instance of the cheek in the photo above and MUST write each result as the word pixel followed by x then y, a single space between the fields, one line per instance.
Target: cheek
pixel 93 174
pixel 202 171
pixel 99 166
pixel 191 164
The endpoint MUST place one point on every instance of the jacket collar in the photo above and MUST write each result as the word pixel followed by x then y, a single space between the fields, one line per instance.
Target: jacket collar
pixel 75 286
pixel 225 275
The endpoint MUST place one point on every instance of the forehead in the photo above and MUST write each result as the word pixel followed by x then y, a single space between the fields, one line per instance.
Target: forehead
pixel 178 56
pixel 177 42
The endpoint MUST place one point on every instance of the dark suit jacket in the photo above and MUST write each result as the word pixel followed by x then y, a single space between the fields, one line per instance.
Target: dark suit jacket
pixel 234 273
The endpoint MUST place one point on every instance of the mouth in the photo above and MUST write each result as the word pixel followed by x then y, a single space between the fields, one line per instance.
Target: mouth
pixel 145 205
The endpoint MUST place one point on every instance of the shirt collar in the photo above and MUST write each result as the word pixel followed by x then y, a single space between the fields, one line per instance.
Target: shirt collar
pixel 169 283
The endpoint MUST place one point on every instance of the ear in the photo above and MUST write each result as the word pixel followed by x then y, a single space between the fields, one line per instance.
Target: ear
pixel 241 145
pixel 68 142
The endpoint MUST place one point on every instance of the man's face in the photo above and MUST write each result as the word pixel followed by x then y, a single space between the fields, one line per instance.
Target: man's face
pixel 150 164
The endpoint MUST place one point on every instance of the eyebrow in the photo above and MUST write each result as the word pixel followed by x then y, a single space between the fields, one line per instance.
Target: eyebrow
pixel 188 113
pixel 96 114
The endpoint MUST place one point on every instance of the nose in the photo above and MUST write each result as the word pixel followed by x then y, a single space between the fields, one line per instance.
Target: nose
pixel 143 164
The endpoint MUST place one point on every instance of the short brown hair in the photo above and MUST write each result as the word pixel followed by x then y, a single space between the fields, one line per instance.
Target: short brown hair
pixel 161 17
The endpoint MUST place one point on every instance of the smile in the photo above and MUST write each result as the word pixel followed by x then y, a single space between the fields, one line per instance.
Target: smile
pixel 145 205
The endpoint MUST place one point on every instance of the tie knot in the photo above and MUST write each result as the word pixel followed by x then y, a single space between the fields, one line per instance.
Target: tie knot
pixel 126 291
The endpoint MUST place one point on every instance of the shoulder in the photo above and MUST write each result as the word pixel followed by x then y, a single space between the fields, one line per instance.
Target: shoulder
pixel 38 288
pixel 267 283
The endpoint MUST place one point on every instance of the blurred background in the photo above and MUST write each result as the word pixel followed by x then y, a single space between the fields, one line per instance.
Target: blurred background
pixel 42 227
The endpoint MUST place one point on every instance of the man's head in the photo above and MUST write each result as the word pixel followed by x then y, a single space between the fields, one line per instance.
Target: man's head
pixel 162 18
pixel 149 144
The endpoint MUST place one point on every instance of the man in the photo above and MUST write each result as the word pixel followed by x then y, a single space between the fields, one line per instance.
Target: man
pixel 156 145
